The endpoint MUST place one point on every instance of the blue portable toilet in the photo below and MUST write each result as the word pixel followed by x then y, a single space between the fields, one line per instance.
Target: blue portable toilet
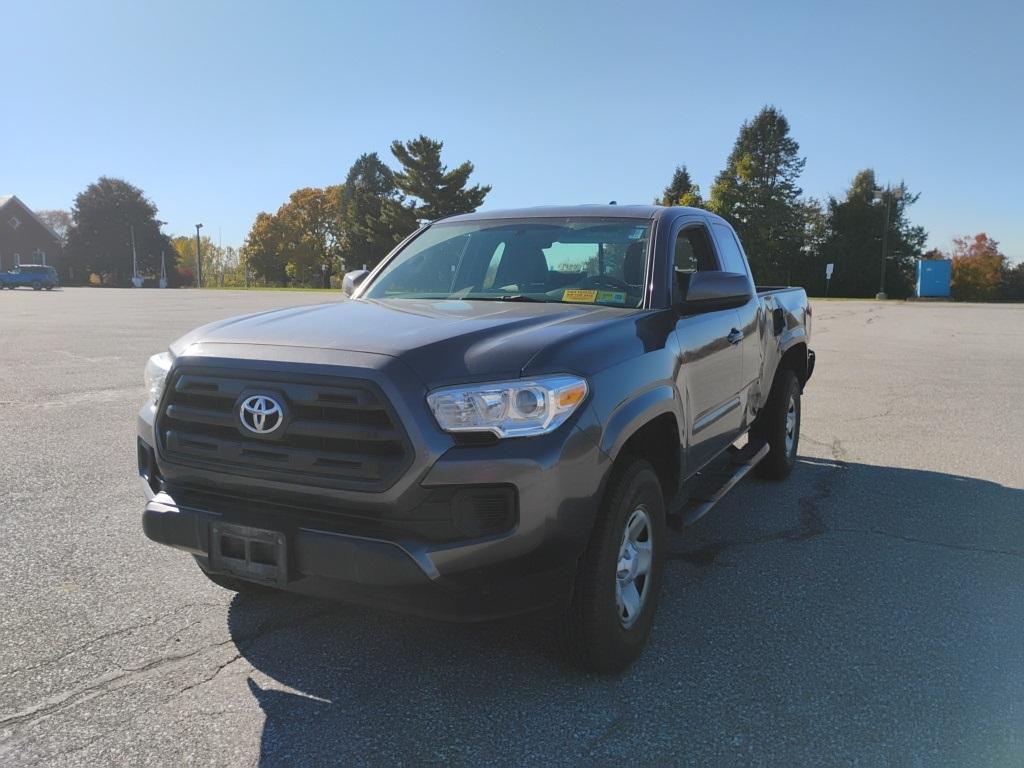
pixel 933 278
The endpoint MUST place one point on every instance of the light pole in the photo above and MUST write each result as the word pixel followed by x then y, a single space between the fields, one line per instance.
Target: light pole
pixel 199 258
pixel 887 195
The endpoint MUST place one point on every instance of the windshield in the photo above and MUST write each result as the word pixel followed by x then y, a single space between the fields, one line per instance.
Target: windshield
pixel 586 260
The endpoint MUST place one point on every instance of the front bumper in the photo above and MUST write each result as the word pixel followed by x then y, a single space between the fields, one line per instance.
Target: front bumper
pixel 374 572
pixel 398 561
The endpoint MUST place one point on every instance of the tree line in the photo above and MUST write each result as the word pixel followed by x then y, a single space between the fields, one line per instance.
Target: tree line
pixel 356 223
pixel 789 239
pixel 319 233
pixel 316 233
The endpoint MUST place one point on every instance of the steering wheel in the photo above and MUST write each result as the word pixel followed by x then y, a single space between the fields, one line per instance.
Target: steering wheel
pixel 608 280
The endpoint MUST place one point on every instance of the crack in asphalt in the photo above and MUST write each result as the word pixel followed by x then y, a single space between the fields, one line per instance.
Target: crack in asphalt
pixel 943 544
pixel 40 760
pixel 810 525
pixel 115 679
pixel 609 730
pixel 220 668
pixel 105 636
pixel 95 687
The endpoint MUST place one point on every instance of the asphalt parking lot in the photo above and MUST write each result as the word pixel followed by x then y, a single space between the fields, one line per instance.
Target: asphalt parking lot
pixel 868 611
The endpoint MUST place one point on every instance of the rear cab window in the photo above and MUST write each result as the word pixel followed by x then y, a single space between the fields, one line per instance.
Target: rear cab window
pixel 729 250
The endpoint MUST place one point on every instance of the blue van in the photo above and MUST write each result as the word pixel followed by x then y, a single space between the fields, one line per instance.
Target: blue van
pixel 34 276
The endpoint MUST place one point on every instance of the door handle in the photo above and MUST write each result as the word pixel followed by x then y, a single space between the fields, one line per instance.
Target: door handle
pixel 735 336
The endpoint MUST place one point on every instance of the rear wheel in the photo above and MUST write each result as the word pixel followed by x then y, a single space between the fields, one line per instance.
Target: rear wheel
pixel 49 287
pixel 779 425
pixel 37 286
pixel 619 576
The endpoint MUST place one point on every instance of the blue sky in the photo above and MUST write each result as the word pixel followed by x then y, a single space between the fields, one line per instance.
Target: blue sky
pixel 220 110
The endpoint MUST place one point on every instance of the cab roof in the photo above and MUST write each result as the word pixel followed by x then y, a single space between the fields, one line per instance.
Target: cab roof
pixel 570 211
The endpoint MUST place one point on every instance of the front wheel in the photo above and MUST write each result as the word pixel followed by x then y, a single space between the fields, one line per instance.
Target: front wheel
pixel 779 425
pixel 619 576
pixel 37 286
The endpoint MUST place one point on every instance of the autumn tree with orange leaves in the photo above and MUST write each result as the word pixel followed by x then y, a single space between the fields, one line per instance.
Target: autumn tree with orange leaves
pixel 978 268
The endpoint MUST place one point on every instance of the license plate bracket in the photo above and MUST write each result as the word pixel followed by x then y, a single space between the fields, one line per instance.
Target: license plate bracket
pixel 256 554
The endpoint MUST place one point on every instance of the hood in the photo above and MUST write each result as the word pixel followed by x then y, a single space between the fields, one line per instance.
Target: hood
pixel 442 341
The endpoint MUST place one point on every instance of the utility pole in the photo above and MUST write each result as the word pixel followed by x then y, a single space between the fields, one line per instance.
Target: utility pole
pixel 135 261
pixel 887 195
pixel 199 258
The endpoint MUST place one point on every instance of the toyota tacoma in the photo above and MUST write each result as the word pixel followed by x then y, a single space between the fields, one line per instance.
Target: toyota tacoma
pixel 503 416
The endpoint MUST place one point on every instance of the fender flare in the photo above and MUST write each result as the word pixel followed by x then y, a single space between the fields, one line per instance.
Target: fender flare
pixel 638 411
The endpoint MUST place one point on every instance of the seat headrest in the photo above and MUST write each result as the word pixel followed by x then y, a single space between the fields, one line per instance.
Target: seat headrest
pixel 524 266
pixel 633 264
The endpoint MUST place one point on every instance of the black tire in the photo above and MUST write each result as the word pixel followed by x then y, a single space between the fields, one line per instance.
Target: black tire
pixel 37 286
pixel 49 287
pixel 595 634
pixel 775 425
pixel 237 585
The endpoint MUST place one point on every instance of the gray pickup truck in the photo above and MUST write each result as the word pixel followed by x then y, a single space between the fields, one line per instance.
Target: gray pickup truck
pixel 502 417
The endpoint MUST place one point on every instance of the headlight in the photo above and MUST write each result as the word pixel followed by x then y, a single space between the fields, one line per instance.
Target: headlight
pixel 508 408
pixel 155 374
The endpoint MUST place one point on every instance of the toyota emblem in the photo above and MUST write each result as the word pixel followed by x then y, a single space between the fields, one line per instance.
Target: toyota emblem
pixel 261 414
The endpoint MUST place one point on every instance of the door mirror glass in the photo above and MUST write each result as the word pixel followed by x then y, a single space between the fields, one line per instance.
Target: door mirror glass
pixel 352 280
pixel 711 291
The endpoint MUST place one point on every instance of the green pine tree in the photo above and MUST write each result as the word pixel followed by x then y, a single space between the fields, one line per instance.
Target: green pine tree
pixel 681 191
pixel 758 194
pixel 439 192
pixel 854 240
pixel 374 216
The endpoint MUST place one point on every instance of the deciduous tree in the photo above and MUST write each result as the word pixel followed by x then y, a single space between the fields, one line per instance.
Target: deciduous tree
pixel 979 269
pixel 262 252
pixel 300 243
pixel 99 236
pixel 58 220
pixel 311 220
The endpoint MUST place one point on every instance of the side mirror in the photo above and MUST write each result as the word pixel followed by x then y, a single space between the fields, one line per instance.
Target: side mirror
pixel 712 291
pixel 352 279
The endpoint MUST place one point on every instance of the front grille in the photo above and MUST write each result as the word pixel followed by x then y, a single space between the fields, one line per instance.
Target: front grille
pixel 340 433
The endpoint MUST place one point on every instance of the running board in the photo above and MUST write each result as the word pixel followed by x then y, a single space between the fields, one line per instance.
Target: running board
pixel 714 487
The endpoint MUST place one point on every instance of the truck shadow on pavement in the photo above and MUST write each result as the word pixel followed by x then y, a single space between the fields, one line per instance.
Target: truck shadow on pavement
pixel 853 611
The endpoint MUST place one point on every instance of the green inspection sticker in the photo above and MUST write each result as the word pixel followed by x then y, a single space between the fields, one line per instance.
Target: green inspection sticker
pixel 613 297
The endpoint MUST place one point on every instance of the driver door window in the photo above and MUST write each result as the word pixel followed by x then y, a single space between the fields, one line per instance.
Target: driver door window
pixel 693 253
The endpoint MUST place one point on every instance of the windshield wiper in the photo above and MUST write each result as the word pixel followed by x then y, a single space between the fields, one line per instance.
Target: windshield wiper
pixel 520 297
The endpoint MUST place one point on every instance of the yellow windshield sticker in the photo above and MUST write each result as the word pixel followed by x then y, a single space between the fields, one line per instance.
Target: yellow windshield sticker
pixel 612 297
pixel 579 296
